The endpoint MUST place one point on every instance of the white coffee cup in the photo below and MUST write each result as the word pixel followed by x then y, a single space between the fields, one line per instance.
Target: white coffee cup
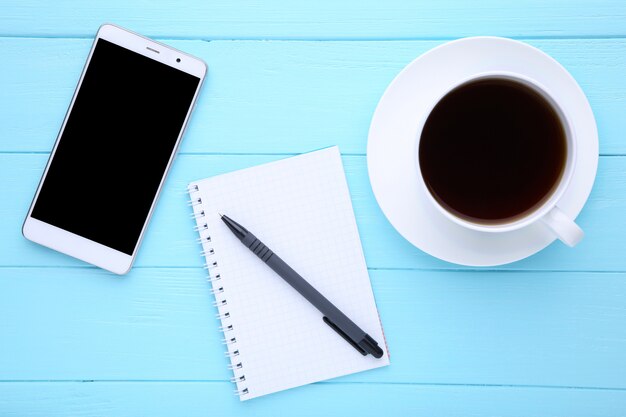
pixel 548 213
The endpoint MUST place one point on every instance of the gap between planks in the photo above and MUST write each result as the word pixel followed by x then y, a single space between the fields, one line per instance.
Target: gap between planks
pixel 211 381
pixel 451 269
pixel 318 39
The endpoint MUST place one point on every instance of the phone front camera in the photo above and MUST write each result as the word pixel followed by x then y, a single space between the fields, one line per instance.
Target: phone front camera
pixel 177 59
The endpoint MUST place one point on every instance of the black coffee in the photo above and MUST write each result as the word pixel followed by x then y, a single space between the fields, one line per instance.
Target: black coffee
pixel 492 151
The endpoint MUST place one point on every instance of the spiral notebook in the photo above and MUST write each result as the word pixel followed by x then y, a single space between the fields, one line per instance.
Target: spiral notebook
pixel 276 340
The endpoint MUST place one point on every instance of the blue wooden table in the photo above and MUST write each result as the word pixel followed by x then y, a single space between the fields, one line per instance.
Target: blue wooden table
pixel 542 337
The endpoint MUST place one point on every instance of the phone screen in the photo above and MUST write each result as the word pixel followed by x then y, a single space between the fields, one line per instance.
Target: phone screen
pixel 115 148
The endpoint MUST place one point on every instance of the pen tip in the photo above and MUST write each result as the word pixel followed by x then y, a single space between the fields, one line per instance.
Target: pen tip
pixel 221 215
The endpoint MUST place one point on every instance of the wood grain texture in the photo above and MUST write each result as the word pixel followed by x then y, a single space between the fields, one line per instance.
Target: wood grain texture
pixel 279 97
pixel 324 19
pixel 446 327
pixel 541 337
pixel 191 399
pixel 170 240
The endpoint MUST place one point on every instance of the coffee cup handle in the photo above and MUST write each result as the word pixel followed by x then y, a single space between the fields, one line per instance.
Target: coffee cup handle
pixel 563 227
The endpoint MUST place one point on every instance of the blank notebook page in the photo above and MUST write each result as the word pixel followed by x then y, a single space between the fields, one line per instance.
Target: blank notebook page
pixel 300 208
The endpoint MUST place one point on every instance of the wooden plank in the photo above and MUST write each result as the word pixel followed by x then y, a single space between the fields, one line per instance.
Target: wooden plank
pixel 131 399
pixel 170 240
pixel 325 19
pixel 446 327
pixel 279 97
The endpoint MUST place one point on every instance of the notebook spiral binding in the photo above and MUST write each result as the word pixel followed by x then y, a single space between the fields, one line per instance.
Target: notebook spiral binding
pixel 216 281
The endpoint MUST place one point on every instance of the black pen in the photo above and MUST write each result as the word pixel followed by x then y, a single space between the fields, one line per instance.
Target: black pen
pixel 338 321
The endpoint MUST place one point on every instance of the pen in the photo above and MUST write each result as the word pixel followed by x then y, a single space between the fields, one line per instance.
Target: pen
pixel 338 321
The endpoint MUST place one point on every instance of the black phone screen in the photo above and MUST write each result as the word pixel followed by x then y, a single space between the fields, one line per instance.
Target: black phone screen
pixel 114 150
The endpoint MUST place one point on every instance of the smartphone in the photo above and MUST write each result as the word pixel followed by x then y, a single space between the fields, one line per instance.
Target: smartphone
pixel 114 149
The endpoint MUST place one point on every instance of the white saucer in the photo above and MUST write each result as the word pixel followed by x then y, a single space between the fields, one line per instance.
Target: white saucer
pixel 391 148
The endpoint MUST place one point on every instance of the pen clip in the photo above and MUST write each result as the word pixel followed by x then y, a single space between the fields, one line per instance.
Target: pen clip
pixel 344 335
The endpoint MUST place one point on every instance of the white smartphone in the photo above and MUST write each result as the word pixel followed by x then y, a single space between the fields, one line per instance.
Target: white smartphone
pixel 114 149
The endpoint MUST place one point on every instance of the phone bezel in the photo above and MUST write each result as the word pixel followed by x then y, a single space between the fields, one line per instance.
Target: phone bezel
pixel 77 246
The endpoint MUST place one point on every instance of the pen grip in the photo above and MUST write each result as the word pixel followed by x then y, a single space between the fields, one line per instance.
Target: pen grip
pixel 257 247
